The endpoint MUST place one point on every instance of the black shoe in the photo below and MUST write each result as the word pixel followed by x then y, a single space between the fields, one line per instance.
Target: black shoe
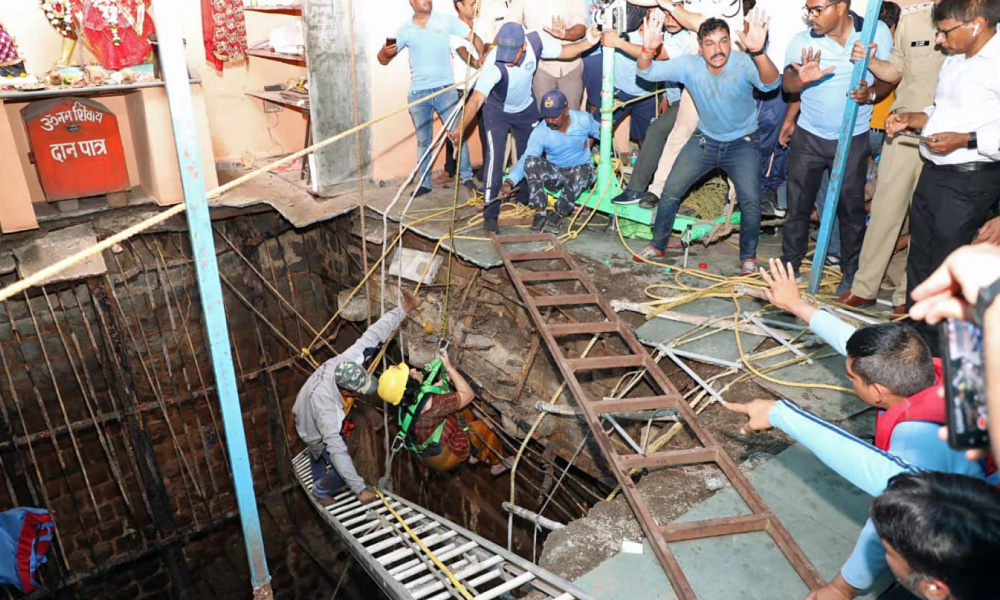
pixel 422 191
pixel 490 225
pixel 471 185
pixel 536 225
pixel 626 197
pixel 552 224
pixel 769 205
pixel 649 200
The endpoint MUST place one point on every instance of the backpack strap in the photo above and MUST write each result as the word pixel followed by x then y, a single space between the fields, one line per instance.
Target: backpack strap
pixel 535 39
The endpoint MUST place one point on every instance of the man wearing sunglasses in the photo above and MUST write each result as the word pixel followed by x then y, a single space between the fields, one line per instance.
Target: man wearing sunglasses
pixel 820 70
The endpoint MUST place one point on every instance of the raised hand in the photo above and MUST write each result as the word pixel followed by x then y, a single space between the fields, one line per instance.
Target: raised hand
pixel 557 29
pixel 652 30
pixel 755 38
pixel 808 70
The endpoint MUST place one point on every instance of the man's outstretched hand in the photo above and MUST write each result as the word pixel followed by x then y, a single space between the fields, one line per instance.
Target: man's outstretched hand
pixel 808 70
pixel 410 302
pixel 783 291
pixel 759 412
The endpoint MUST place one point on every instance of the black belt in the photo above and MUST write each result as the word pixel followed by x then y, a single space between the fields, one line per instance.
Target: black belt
pixel 970 167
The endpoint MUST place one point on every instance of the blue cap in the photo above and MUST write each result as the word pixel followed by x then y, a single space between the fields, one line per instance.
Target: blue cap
pixel 553 104
pixel 509 41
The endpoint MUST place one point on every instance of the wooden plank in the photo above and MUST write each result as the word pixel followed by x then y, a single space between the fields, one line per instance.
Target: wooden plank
pixel 564 300
pixel 537 276
pixel 679 532
pixel 604 362
pixel 672 458
pixel 621 405
pixel 578 328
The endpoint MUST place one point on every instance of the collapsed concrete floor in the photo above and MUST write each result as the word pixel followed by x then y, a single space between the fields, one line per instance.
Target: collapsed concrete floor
pixel 313 266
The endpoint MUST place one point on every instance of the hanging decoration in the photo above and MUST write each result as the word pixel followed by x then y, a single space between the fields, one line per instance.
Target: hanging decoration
pixel 118 31
pixel 225 32
pixel 61 14
pixel 11 63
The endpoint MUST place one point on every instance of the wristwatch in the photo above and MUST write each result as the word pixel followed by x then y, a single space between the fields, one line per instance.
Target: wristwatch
pixel 871 97
pixel 757 53
pixel 987 296
pixel 973 141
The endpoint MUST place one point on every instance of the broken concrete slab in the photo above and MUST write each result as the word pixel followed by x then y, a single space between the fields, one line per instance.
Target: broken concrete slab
pixel 822 512
pixel 56 246
pixel 414 265
pixel 831 405
pixel 292 200
pixel 717 343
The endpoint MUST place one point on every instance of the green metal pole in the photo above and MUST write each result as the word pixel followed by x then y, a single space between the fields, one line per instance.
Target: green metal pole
pixel 604 170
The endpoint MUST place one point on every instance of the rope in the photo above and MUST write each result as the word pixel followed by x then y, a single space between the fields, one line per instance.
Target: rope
pixel 451 576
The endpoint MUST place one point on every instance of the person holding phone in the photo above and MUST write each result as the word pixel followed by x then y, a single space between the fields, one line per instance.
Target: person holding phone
pixel 428 36
pixel 960 180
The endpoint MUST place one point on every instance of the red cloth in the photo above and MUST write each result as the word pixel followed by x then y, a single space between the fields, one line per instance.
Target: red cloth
pixel 927 406
pixel 444 407
pixel 133 45
pixel 224 29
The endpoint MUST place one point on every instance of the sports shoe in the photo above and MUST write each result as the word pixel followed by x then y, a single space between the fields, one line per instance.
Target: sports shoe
pixel 490 225
pixel 553 224
pixel 626 197
pixel 538 222
pixel 471 185
pixel 422 191
pixel 649 200
pixel 749 266
pixel 769 206
pixel 648 254
pixel 832 260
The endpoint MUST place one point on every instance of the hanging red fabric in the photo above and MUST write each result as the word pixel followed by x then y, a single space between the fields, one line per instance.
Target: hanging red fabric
pixel 118 31
pixel 224 30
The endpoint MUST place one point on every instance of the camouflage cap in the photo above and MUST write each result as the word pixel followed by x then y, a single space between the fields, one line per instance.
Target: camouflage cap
pixel 352 377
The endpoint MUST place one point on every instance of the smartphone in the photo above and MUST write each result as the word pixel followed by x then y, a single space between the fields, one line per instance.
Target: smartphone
pixel 917 136
pixel 965 385
pixel 389 41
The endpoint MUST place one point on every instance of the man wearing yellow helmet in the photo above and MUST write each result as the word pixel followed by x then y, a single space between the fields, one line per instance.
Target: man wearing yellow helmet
pixel 319 409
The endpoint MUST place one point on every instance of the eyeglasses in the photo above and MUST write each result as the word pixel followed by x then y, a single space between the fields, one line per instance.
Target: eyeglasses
pixel 815 11
pixel 945 32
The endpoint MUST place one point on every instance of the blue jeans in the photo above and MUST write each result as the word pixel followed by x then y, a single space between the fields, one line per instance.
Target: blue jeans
pixel 423 122
pixel 326 480
pixel 771 109
pixel 740 159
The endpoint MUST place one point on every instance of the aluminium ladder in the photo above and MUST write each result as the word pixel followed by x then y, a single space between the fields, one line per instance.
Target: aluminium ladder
pixel 710 452
pixel 387 552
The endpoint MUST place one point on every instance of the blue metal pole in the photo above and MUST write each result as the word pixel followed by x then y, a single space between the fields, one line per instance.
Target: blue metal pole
pixel 175 73
pixel 840 163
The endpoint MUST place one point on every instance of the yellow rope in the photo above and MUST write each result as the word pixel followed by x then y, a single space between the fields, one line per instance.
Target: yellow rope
pixel 451 576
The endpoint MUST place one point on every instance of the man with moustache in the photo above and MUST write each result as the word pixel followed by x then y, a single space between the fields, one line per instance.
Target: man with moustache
pixel 567 167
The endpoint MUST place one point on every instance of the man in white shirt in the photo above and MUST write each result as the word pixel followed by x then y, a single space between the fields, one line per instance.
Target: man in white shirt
pixel 565 20
pixel 960 181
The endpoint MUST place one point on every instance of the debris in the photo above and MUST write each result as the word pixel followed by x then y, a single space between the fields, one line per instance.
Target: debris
pixel 631 547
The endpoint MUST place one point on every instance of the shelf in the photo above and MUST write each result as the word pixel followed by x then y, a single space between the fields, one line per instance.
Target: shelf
pixel 95 91
pixel 290 9
pixel 277 98
pixel 272 55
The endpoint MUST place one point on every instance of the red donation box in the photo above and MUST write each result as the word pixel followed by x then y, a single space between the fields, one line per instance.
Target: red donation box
pixel 77 148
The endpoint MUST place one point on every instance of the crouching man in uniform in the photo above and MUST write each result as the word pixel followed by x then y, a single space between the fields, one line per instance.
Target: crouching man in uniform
pixel 319 408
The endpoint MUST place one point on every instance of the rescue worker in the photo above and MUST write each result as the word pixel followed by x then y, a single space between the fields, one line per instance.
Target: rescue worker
pixel 504 92
pixel 320 410
pixel 434 421
pixel 566 167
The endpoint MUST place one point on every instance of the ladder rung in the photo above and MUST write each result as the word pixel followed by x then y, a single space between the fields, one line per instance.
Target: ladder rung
pixel 564 300
pixel 411 568
pixel 527 237
pixel 472 583
pixel 536 276
pixel 578 328
pixel 673 458
pixel 605 362
pixel 620 405
pixel 395 540
pixel 526 256
pixel 460 575
pixel 513 584
pixel 693 530
pixel 425 579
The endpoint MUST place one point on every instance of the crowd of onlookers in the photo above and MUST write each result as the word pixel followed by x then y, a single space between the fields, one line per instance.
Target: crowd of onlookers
pixel 759 91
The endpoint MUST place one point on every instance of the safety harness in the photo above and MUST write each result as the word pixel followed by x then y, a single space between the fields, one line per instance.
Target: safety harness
pixel 410 412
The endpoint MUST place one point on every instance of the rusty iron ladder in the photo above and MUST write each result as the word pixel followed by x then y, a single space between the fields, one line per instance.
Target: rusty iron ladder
pixel 659 536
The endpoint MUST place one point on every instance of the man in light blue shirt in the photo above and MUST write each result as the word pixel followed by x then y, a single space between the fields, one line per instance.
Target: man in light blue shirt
pixel 821 71
pixel 428 36
pixel 890 368
pixel 566 166
pixel 504 92
pixel 721 83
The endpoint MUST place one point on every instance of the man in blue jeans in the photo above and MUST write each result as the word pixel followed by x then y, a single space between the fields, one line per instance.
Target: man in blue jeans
pixel 428 36
pixel 721 84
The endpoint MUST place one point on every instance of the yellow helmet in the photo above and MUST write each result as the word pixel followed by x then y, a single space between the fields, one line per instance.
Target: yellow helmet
pixel 392 383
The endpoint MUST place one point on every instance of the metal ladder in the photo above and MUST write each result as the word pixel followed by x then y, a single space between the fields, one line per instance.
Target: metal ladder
pixel 381 544
pixel 710 452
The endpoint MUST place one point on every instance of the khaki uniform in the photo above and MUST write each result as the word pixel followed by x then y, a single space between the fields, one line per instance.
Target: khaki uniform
pixel 915 55
pixel 563 75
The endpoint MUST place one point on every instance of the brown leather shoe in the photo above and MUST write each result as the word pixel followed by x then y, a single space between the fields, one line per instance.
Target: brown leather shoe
pixel 900 310
pixel 850 299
